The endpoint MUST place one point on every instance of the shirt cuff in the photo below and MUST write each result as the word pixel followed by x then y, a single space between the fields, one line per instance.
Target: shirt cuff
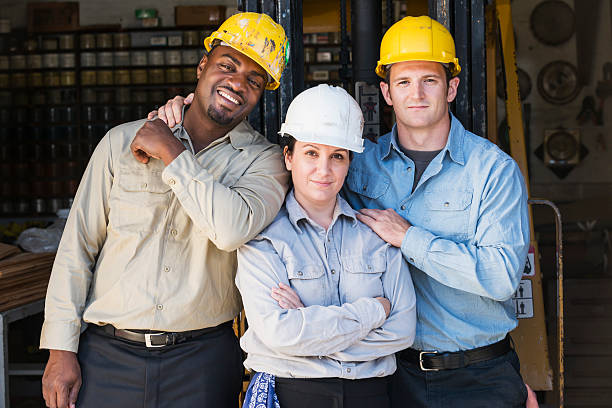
pixel 181 171
pixel 374 314
pixel 415 244
pixel 60 336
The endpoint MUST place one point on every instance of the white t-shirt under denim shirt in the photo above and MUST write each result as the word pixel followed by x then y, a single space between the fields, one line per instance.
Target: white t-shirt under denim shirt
pixel 341 331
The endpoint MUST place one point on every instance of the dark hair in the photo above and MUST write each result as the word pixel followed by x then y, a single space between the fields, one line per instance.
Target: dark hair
pixel 288 141
pixel 447 73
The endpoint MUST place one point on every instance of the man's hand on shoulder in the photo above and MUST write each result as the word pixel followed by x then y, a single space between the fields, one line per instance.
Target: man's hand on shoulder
pixel 62 379
pixel 387 224
pixel 155 139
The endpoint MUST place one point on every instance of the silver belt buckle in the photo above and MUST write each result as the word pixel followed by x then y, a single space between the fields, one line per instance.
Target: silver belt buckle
pixel 148 340
pixel 421 354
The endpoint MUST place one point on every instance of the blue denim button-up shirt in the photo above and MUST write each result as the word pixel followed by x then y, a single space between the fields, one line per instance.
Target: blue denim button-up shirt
pixel 469 236
pixel 342 331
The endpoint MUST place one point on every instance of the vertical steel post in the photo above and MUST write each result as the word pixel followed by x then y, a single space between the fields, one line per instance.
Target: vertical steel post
pixel 267 115
pixel 465 20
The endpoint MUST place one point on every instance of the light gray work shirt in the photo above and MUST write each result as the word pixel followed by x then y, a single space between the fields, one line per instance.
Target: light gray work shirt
pixel 341 331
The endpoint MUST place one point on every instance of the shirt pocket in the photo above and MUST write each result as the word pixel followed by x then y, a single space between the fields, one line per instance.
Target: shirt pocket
pixel 140 202
pixel 362 276
pixel 366 186
pixel 308 280
pixel 448 213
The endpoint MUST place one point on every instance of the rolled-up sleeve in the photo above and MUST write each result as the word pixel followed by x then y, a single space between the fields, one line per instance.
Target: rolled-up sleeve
pixel 230 216
pixel 398 331
pixel 308 331
pixel 83 237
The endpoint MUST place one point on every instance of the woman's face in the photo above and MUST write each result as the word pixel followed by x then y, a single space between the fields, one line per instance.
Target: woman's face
pixel 317 171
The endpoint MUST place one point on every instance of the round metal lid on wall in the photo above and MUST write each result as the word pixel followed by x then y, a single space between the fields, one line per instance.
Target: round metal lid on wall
pixel 552 22
pixel 524 84
pixel 558 82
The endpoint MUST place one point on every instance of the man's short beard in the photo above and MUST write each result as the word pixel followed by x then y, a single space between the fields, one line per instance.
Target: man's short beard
pixel 218 117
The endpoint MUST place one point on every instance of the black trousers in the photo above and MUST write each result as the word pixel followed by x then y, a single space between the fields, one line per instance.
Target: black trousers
pixel 204 372
pixel 494 383
pixel 332 393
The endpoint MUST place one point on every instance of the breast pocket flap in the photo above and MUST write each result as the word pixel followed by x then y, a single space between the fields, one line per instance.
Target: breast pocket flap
pixel 370 187
pixel 360 264
pixel 143 181
pixel 304 271
pixel 448 200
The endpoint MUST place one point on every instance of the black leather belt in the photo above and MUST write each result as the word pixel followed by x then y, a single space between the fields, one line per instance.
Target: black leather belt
pixel 154 339
pixel 434 360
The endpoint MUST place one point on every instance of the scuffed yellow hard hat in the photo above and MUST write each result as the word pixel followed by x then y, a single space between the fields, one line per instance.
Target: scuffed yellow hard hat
pixel 417 39
pixel 258 37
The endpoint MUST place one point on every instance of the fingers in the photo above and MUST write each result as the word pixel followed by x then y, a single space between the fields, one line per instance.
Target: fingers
pixel 366 219
pixel 74 393
pixel 370 213
pixel 62 396
pixel 176 106
pixel 141 156
pixel 532 400
pixel 152 114
pixel 291 294
pixel 286 297
pixel 165 114
pixel 189 99
pixel 282 299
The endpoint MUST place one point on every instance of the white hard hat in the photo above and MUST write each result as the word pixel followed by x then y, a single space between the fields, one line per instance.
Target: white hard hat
pixel 327 115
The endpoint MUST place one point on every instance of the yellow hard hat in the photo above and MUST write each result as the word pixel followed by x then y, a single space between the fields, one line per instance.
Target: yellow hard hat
pixel 258 37
pixel 417 39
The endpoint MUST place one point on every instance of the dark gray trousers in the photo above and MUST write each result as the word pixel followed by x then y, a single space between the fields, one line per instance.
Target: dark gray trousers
pixel 332 393
pixel 494 383
pixel 204 372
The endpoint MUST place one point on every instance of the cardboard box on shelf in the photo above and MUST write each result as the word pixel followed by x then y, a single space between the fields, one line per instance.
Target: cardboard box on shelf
pixel 53 16
pixel 199 15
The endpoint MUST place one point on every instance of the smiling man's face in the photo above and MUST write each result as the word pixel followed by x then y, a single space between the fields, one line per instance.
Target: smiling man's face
pixel 229 85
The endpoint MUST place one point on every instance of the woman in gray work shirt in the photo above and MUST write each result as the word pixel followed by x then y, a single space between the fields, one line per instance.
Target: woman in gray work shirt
pixel 327 301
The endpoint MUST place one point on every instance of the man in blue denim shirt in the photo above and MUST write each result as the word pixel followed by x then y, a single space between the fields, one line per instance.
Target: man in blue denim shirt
pixel 456 205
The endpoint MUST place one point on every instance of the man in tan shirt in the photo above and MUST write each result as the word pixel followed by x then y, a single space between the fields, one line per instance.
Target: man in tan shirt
pixel 141 297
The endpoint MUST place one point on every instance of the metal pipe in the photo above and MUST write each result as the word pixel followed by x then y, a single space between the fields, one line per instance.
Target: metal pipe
pixel 366 35
pixel 560 327
pixel 344 47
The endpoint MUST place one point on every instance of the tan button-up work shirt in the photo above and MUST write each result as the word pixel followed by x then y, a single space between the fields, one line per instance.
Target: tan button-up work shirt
pixel 153 247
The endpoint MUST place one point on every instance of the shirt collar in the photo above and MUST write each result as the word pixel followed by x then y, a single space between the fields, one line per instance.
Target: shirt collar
pixel 454 143
pixel 240 136
pixel 297 213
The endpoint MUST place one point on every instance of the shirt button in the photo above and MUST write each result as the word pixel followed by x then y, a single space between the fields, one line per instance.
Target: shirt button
pixel 446 204
pixel 166 269
pixel 333 271
pixel 348 370
pixel 172 182
pixel 409 169
pixel 174 232
pixel 159 307
pixel 365 188
pixel 144 185
pixel 300 273
pixel 412 260
pixel 369 266
pixel 403 207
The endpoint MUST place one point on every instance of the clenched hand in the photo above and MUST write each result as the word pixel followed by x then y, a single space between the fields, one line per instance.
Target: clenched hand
pixel 154 139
